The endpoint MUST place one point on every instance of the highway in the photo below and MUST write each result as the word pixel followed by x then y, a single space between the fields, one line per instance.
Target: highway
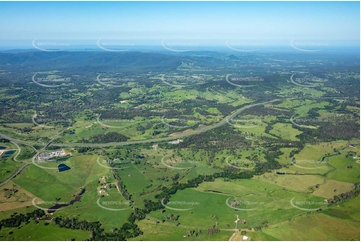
pixel 183 135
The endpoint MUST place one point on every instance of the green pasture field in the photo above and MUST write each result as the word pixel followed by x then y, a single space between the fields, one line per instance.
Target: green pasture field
pixel 133 178
pixel 110 212
pixel 306 170
pixel 246 158
pixel 300 183
pixel 84 173
pixel 285 131
pixel 262 201
pixel 289 104
pixel 285 158
pixel 307 161
pixel 317 151
pixel 84 170
pixel 342 173
pixel 85 129
pixel 253 130
pixel 301 107
pixel 335 223
pixel 331 188
pixel 23 210
pixel 195 162
pixel 302 110
pixel 309 92
pixel 8 167
pixel 40 231
pixel 354 109
pixel 168 231
pixel 231 97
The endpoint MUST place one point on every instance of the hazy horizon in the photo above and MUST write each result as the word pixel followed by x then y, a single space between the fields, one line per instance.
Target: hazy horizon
pixel 182 24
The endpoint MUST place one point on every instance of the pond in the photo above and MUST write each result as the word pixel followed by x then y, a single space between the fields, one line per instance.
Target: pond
pixel 9 152
pixel 2 147
pixel 63 167
pixel 58 206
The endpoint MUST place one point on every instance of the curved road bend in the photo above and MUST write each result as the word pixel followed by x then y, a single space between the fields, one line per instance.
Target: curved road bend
pixel 19 149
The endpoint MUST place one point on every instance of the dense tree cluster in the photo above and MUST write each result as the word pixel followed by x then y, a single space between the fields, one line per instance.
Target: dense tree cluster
pixel 74 223
pixel 16 219
pixel 121 185
pixel 345 196
pixel 106 138
pixel 212 231
pixel 128 230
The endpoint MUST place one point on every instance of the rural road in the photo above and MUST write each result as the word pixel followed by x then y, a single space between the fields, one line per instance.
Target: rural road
pixel 19 150
pixel 15 174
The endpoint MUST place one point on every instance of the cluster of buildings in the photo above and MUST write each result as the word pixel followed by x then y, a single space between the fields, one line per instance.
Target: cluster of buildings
pixel 54 154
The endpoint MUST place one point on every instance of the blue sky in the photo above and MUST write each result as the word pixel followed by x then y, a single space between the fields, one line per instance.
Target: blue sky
pixel 157 20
